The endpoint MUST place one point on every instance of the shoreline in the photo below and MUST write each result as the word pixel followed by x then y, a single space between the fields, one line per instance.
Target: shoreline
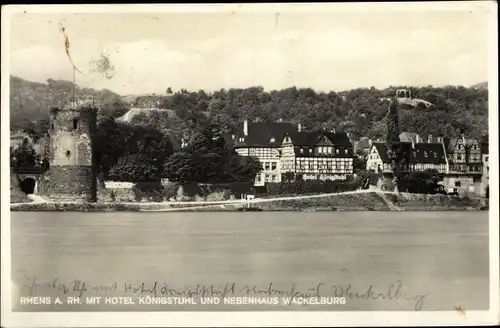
pixel 372 201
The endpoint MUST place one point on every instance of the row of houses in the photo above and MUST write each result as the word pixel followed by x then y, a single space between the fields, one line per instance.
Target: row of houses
pixel 463 162
pixel 283 149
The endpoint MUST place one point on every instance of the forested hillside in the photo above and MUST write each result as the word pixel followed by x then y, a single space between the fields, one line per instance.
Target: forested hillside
pixel 359 111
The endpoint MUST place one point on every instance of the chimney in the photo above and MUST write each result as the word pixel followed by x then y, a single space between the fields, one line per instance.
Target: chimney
pixel 429 138
pixel 417 139
pixel 245 127
pixel 299 127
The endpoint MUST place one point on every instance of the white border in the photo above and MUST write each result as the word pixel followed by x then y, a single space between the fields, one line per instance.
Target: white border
pixel 159 319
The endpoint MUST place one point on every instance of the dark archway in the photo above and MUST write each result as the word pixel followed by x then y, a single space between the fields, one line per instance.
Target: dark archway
pixel 28 186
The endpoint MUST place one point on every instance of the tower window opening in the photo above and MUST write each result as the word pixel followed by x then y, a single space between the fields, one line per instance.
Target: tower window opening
pixel 68 153
pixel 75 123
pixel 52 125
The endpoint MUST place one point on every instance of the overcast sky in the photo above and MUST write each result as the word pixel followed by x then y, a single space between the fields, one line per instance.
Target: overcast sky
pixel 325 50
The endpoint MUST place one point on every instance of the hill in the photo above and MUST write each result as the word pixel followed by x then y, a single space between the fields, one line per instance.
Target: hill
pixel 31 101
pixel 359 111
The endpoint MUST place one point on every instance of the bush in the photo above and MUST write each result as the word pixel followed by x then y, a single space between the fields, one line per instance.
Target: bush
pixel 170 190
pixel 148 191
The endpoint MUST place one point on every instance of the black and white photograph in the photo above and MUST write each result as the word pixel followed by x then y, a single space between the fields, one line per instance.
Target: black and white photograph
pixel 250 164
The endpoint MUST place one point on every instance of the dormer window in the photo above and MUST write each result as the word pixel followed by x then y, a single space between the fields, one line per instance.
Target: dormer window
pixel 242 139
pixel 273 140
pixel 336 151
pixel 68 153
pixel 301 150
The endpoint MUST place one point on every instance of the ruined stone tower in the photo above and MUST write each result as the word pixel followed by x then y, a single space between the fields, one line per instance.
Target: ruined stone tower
pixel 72 173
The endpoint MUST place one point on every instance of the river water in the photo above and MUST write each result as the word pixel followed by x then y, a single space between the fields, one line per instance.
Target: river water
pixel 376 260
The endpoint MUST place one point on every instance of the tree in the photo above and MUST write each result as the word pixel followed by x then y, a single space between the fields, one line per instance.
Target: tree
pixel 135 168
pixel 207 158
pixel 114 141
pixel 394 149
pixel 425 182
pixel 24 155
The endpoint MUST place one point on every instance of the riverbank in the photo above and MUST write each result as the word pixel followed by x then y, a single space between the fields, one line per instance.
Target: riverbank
pixel 350 201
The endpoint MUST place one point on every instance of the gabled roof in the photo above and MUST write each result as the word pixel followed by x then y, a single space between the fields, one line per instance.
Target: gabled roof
pixel 423 153
pixel 305 138
pixel 305 142
pixel 429 153
pixel 339 139
pixel 264 134
pixel 451 143
pixel 382 151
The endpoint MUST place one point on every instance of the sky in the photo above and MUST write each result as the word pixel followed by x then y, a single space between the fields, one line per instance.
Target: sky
pixel 272 47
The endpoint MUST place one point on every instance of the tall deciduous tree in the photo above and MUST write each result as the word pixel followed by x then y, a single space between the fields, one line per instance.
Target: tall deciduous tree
pixel 208 158
pixel 393 144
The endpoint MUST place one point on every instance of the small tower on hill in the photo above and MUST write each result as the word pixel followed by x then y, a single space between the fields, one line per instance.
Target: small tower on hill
pixel 72 173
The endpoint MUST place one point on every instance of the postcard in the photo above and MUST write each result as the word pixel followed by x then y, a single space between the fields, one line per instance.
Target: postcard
pixel 323 164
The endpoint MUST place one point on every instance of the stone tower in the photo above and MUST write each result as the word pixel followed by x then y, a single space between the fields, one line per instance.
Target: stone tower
pixel 72 173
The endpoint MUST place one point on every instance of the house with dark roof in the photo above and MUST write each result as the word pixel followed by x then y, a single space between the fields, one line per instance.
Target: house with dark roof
pixel 283 148
pixel 421 157
pixel 465 164
pixel 317 155
pixel 461 160
pixel 263 142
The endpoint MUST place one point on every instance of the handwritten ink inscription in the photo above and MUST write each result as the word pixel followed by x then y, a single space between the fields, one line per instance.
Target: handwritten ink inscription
pixel 124 291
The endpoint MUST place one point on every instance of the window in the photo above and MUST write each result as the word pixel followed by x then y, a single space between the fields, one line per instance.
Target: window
pixel 459 157
pixel 267 177
pixel 311 166
pixel 273 166
pixel 52 125
pixel 266 166
pixel 346 151
pixel 75 123
pixel 301 150
pixel 258 177
pixel 457 183
pixel 273 140
pixel 273 178
pixel 336 151
pixel 68 153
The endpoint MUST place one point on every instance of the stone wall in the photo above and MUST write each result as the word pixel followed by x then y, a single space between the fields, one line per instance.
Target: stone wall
pixel 68 181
